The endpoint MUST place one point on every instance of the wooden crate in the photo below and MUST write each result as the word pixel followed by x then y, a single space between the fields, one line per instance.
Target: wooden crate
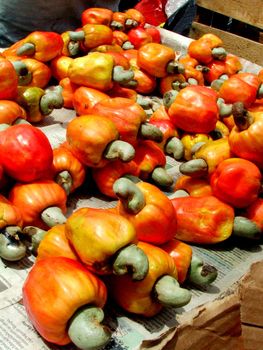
pixel 247 12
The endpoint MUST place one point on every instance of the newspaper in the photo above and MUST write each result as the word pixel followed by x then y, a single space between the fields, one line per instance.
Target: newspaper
pixel 231 258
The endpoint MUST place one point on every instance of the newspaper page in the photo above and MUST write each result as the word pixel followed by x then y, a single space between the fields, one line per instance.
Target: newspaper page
pixel 231 258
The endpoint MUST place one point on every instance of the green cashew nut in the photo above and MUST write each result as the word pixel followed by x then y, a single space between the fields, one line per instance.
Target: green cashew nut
pixel 127 45
pixel 11 248
pixel 76 36
pixel 115 25
pixel 179 194
pixel 121 75
pixel 243 119
pixel 161 177
pixel 131 258
pixel 130 195
pixel 168 292
pixel 150 132
pixel 36 234
pixel 194 167
pixel 119 150
pixel 64 179
pixel 53 216
pixel 24 75
pixel 225 110
pixel 216 84
pixel 175 67
pixel 175 148
pixel 169 97
pixel 219 53
pixel 86 331
pixel 192 81
pixel 27 49
pixel 130 23
pixel 243 227
pixel 201 274
pixel 52 99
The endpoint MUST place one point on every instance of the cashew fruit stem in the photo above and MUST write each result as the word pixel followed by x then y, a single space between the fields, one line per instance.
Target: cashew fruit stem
pixel 194 167
pixel 150 132
pixel 131 258
pixel 219 53
pixel 200 273
pixel 64 179
pixel 131 196
pixel 27 49
pixel 24 76
pixel 174 67
pixel 242 118
pixel 119 150
pixel 121 75
pixel 11 248
pixel 86 331
pixel 168 292
pixel 244 227
pixel 175 148
pixel 53 216
pixel 161 178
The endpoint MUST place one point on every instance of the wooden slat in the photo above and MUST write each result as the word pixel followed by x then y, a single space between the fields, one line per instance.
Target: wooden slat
pixel 242 47
pixel 247 11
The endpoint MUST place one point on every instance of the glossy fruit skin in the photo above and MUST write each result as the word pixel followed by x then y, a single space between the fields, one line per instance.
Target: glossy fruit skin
pixel 254 212
pixel 182 255
pixel 48 45
pixel 138 37
pixel 54 290
pixel 96 15
pixel 9 213
pixel 9 80
pixel 154 57
pixel 55 243
pixel 34 197
pixel 201 49
pixel 196 187
pixel 236 181
pixel 248 143
pixel 106 176
pixel 88 136
pixel 84 98
pixel 10 111
pixel 156 222
pixel 195 109
pixel 240 87
pixel 96 235
pixel 203 220
pixel 126 114
pixel 26 153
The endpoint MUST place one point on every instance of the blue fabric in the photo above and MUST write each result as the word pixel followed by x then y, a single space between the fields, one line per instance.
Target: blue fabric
pixel 181 20
pixel 20 17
